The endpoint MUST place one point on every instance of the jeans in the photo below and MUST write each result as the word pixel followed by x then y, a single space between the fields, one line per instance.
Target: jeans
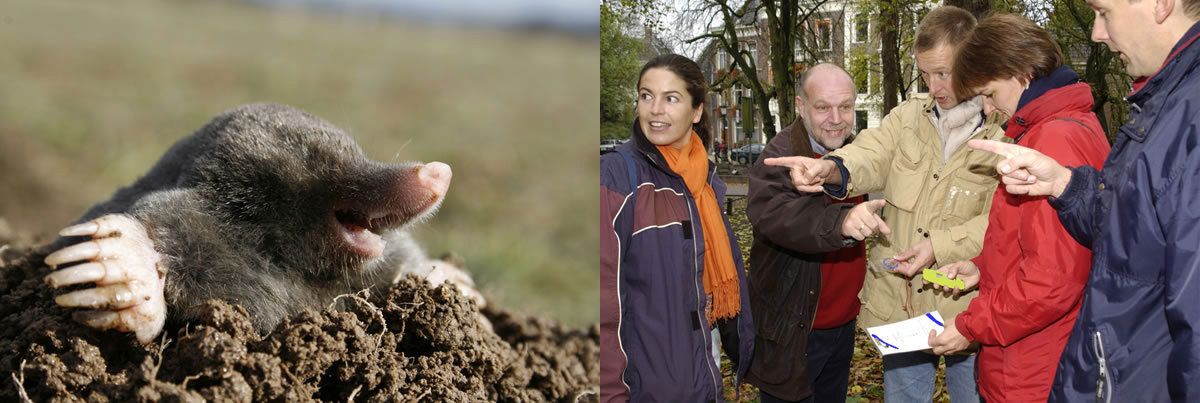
pixel 829 355
pixel 909 377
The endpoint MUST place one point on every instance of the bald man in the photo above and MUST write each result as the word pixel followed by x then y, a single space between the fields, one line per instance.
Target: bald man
pixel 805 255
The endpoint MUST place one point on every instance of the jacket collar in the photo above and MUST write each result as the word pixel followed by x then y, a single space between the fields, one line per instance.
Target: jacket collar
pixel 643 146
pixel 1144 102
pixel 1061 77
pixel 1075 97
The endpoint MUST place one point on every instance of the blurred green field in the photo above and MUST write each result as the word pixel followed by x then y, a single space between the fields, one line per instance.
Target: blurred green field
pixel 94 92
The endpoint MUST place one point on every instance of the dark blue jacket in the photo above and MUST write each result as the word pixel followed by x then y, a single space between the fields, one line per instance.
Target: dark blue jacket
pixel 1136 338
pixel 655 341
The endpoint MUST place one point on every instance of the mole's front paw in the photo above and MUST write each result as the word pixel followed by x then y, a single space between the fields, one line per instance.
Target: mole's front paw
pixel 443 270
pixel 128 273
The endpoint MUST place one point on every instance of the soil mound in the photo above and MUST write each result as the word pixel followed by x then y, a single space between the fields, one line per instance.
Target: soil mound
pixel 408 342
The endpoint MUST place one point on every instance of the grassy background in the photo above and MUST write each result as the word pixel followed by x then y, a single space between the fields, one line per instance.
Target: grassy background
pixel 94 92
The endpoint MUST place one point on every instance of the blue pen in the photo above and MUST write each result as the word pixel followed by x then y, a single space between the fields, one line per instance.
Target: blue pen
pixel 930 315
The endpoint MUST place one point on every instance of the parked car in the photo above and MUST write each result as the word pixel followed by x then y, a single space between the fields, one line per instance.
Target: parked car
pixel 746 155
pixel 607 145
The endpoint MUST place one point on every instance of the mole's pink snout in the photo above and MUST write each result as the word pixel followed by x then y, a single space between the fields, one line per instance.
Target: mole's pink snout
pixel 435 176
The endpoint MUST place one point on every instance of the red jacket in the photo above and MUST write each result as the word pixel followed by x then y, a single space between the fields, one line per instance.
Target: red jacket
pixel 842 274
pixel 1032 271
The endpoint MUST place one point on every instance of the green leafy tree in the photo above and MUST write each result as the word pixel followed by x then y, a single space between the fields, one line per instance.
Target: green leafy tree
pixel 1070 21
pixel 618 74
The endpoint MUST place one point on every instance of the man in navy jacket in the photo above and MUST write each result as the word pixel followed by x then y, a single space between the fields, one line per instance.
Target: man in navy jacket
pixel 1138 333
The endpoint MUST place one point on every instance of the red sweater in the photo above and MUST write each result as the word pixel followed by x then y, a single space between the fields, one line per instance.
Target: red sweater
pixel 842 273
pixel 1032 271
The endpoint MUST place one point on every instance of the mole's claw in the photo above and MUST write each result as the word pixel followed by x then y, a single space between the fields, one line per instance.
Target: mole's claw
pixel 83 273
pixel 80 251
pixel 116 296
pixel 87 228
pixel 145 323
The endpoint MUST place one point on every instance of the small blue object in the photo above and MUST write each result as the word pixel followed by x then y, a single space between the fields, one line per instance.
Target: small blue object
pixel 890 264
pixel 930 315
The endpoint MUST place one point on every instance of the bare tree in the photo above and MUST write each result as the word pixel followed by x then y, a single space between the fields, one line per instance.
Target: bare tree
pixel 782 24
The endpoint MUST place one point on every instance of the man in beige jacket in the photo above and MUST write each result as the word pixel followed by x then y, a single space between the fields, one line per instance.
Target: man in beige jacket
pixel 938 194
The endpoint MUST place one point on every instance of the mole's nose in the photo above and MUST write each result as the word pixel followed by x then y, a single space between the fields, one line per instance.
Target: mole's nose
pixel 436 177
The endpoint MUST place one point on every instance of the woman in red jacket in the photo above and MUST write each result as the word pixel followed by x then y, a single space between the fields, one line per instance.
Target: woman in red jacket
pixel 1031 273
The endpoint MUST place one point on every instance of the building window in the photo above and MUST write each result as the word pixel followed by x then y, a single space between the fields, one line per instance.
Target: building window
pixel 862 28
pixel 753 52
pixel 860 120
pixel 825 35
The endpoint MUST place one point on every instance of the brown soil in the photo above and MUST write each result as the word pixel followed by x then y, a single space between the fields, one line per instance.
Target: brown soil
pixel 409 342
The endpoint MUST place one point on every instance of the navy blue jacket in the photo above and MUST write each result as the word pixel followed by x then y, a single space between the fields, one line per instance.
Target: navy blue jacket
pixel 1136 338
pixel 655 341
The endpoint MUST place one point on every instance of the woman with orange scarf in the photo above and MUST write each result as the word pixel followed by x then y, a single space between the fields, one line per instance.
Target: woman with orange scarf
pixel 672 281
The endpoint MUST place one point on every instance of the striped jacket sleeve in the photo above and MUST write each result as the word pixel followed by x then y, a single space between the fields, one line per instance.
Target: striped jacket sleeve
pixel 614 191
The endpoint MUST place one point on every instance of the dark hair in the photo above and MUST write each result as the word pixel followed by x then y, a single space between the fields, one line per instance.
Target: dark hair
pixel 690 73
pixel 1003 46
pixel 945 24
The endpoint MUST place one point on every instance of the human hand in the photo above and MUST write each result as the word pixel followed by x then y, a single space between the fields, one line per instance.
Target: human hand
pixel 950 341
pixel 965 270
pixel 916 258
pixel 1026 171
pixel 808 174
pixel 862 222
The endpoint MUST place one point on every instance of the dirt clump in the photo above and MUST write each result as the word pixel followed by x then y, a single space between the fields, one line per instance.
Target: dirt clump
pixel 407 342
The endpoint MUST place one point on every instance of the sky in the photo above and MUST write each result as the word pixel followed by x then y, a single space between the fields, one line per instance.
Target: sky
pixel 580 16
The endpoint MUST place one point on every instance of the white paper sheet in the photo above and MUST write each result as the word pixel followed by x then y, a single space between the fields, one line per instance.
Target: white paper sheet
pixel 907 335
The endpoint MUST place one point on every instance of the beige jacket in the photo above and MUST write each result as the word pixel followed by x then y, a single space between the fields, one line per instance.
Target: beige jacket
pixel 947 203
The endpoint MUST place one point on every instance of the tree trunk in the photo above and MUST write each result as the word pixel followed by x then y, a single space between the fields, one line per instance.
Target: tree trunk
pixel 890 55
pixel 783 36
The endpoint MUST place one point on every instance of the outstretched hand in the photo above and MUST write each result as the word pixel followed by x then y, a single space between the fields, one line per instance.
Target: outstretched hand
pixel 1026 171
pixel 809 175
pixel 862 222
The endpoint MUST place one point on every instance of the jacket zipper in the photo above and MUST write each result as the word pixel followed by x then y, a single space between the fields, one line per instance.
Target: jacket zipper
pixel 703 297
pixel 1103 382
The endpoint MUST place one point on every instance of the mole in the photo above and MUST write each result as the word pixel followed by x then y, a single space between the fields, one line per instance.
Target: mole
pixel 266 206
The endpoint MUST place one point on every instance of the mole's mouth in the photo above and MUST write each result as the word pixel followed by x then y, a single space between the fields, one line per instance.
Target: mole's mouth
pixel 361 231
pixel 360 220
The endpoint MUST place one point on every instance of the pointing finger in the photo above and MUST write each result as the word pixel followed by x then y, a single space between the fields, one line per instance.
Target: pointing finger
pixel 1000 148
pixel 873 205
pixel 883 227
pixel 790 162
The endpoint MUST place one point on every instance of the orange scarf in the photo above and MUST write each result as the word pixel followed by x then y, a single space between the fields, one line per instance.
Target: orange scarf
pixel 720 273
